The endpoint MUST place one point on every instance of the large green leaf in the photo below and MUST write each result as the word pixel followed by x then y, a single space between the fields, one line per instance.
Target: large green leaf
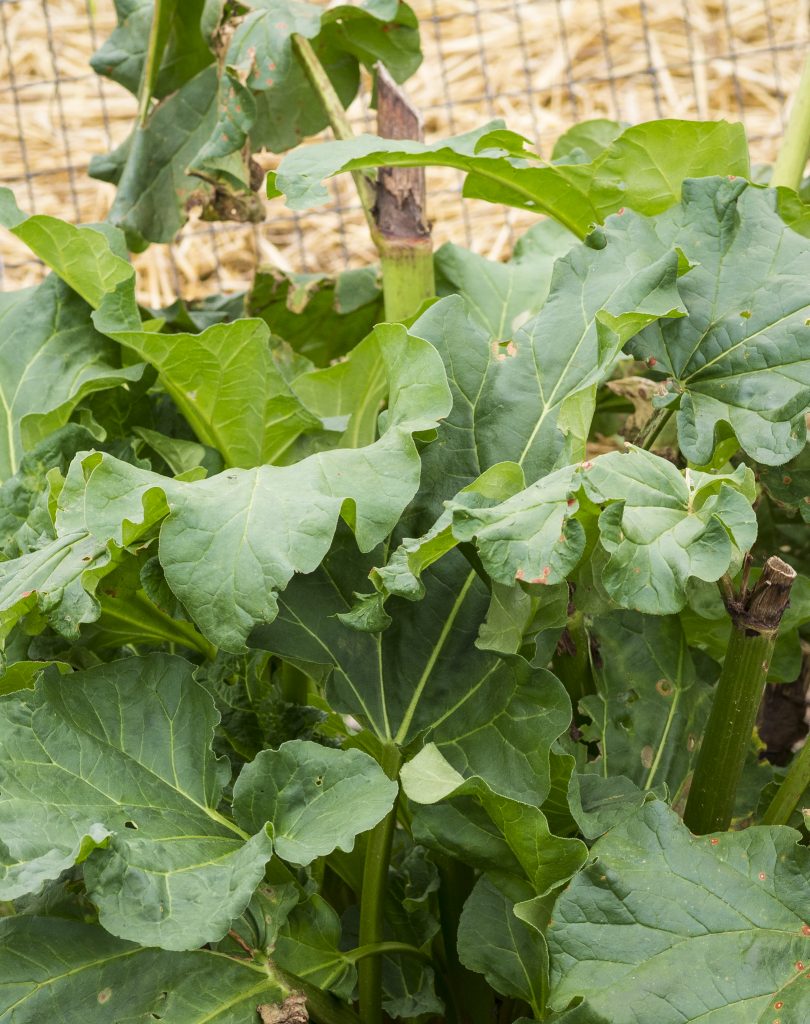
pixel 63 971
pixel 218 555
pixel 116 770
pixel 650 707
pixel 226 384
pixel 423 675
pixel 670 927
pixel 642 169
pixel 739 360
pixel 528 397
pixel 150 168
pixel 508 952
pixel 51 357
pixel 317 798
pixel 660 528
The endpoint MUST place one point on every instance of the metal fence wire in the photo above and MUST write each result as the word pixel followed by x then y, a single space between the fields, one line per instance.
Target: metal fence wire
pixel 539 64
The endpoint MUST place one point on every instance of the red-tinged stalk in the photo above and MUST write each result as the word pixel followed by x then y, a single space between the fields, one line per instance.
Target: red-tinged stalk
pixel 755 624
pixel 394 204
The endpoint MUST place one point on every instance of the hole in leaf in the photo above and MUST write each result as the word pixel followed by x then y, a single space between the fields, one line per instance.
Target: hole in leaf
pixel 319 780
pixel 130 824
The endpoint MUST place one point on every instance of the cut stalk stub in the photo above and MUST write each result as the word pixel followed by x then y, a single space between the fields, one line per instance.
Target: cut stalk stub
pixel 764 607
pixel 755 616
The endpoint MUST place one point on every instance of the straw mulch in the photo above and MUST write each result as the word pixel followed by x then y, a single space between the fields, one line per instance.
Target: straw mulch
pixel 539 64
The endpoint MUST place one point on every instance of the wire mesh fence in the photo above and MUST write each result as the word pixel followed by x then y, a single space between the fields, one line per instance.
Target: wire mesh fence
pixel 539 64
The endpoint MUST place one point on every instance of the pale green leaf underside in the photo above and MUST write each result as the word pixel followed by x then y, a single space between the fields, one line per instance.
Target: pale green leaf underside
pixel 642 169
pixel 674 928
pixel 659 528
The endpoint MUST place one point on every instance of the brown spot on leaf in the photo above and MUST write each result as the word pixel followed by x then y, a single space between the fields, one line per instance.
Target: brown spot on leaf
pixel 104 995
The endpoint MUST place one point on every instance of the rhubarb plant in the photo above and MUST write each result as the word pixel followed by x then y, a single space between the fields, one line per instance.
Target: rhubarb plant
pixel 391 646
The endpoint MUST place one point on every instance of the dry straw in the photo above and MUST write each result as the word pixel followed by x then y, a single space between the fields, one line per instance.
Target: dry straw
pixel 539 64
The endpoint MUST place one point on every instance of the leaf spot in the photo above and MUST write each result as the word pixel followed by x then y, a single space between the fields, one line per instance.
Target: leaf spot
pixel 647 756
pixel 664 687
pixel 715 842
pixel 587 465
pixel 799 965
pixel 806 929
pixel 520 574
pixel 778 1004
pixel 746 314
pixel 104 995
pixel 651 361
pixel 691 742
pixel 762 876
